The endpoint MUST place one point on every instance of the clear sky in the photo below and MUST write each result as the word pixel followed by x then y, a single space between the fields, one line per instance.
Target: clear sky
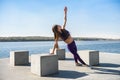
pixel 86 18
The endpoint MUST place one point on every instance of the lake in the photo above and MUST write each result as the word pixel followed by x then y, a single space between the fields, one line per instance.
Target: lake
pixel 44 46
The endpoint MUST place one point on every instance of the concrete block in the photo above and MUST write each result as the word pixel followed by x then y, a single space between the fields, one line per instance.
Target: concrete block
pixel 91 57
pixel 19 58
pixel 60 53
pixel 44 64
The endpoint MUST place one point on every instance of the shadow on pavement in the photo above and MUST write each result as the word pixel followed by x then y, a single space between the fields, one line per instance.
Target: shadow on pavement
pixel 68 74
pixel 109 65
pixel 107 68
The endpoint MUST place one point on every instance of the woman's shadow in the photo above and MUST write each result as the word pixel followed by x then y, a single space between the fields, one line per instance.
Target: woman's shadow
pixel 107 68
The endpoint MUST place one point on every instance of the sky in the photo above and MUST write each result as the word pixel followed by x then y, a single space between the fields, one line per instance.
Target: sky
pixel 85 18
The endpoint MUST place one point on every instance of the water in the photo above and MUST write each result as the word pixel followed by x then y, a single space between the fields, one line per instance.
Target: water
pixel 44 46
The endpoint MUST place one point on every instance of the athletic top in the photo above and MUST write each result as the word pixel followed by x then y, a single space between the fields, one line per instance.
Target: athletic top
pixel 64 34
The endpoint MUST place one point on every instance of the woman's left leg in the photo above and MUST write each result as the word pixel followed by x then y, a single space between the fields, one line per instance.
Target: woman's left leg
pixel 73 49
pixel 78 57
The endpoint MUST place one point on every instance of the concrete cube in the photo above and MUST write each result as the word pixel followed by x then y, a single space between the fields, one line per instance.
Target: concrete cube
pixel 91 57
pixel 19 58
pixel 60 53
pixel 44 64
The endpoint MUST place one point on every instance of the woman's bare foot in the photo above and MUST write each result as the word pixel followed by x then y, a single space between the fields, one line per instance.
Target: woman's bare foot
pixel 78 64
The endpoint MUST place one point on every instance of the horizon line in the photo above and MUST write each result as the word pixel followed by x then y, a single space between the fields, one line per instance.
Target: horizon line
pixel 73 37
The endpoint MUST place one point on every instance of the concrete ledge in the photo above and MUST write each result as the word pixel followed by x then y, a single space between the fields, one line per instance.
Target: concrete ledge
pixel 19 58
pixel 91 57
pixel 44 64
pixel 60 53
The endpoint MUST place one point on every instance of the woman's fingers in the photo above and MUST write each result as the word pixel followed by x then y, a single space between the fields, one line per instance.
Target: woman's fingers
pixel 65 9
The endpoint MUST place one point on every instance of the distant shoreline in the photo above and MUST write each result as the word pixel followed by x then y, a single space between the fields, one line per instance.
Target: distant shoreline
pixel 40 38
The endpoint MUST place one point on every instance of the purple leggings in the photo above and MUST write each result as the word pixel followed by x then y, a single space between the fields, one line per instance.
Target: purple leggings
pixel 73 49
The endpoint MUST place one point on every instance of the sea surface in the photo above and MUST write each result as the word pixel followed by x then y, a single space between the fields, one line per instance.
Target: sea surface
pixel 44 46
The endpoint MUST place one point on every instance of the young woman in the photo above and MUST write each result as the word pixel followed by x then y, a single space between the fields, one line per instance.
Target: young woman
pixel 61 32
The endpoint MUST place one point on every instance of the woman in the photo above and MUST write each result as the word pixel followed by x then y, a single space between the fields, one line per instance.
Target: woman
pixel 61 32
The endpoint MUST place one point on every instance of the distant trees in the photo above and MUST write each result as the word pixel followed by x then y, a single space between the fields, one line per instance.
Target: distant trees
pixel 40 38
pixel 31 38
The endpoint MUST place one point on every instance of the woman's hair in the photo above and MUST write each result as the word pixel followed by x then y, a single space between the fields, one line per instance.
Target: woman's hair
pixel 55 31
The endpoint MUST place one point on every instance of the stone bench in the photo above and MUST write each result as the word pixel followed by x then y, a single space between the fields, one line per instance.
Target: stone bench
pixel 44 64
pixel 19 58
pixel 91 57
pixel 60 53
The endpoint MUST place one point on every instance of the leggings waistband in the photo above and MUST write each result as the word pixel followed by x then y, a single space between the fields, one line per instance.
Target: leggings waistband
pixel 71 43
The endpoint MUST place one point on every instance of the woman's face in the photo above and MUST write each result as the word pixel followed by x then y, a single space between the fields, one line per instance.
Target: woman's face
pixel 59 28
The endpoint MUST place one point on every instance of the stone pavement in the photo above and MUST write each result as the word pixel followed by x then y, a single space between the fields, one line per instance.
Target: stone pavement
pixel 109 69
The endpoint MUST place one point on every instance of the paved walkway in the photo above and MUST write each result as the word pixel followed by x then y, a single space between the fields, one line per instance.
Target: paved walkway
pixel 109 69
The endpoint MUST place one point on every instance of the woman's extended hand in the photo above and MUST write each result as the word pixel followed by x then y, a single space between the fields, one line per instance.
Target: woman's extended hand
pixel 51 53
pixel 65 9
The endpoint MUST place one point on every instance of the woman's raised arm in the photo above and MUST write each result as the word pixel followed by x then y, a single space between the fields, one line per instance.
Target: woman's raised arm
pixel 65 17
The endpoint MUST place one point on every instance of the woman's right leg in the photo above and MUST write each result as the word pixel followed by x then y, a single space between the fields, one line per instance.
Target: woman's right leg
pixel 70 48
pixel 75 58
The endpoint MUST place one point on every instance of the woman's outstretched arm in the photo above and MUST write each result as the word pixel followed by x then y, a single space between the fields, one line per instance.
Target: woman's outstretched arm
pixel 65 17
pixel 56 46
